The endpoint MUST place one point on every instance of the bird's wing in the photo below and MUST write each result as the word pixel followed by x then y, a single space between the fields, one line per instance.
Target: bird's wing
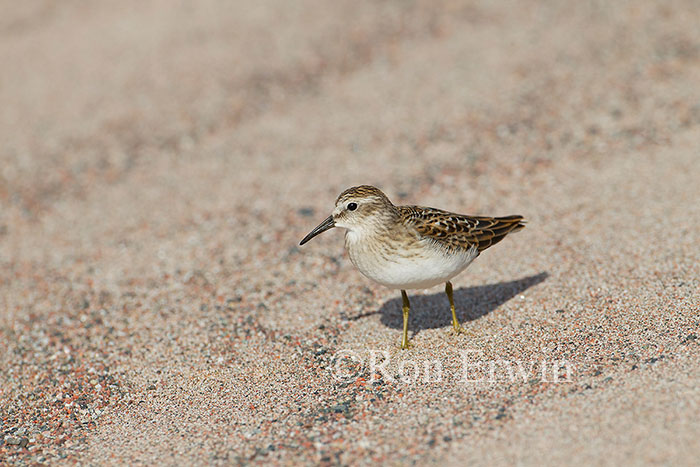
pixel 459 231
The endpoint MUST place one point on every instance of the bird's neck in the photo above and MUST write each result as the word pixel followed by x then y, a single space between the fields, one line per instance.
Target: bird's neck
pixel 376 227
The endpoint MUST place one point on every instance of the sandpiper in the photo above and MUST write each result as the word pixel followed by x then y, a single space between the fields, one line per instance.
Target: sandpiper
pixel 411 247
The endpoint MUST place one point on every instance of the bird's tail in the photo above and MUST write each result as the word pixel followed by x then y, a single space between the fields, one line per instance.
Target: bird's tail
pixel 496 228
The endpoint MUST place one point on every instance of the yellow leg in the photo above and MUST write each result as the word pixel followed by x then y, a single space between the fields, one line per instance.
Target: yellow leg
pixel 406 309
pixel 455 323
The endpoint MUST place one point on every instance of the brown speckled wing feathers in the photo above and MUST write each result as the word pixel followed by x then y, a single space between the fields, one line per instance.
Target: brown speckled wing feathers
pixel 459 231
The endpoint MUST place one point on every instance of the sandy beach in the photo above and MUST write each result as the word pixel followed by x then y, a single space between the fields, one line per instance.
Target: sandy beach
pixel 161 161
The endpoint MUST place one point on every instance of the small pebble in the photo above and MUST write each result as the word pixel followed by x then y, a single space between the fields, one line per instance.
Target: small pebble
pixel 12 441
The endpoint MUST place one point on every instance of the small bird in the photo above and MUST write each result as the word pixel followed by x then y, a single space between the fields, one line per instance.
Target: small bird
pixel 411 247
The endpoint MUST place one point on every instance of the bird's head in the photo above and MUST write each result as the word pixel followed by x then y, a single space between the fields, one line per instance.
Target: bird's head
pixel 360 209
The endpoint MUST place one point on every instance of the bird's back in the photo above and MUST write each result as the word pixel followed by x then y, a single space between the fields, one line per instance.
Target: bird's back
pixel 458 231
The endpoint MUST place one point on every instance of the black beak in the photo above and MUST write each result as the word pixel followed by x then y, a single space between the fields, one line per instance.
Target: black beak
pixel 322 227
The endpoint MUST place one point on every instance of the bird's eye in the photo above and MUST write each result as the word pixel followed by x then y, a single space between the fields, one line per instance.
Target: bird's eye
pixel 352 206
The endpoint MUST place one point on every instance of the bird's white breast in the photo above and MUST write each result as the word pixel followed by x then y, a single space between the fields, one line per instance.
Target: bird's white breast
pixel 417 265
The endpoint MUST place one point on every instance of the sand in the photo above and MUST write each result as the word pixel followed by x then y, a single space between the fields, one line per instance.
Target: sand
pixel 160 162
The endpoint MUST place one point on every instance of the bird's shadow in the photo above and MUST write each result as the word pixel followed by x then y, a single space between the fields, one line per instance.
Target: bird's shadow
pixel 433 311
